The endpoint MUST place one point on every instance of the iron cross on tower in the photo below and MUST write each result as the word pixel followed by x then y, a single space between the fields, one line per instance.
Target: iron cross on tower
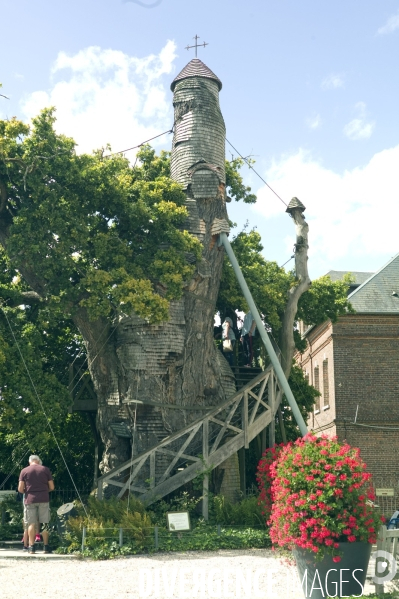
pixel 197 45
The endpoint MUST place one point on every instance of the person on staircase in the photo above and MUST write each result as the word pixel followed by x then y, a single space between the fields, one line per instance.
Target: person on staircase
pixel 228 340
pixel 247 334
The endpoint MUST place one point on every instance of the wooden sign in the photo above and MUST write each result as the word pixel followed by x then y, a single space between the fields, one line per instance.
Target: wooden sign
pixel 385 492
pixel 178 521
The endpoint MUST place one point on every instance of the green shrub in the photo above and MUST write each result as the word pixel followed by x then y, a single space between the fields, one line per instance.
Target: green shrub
pixel 246 512
pixel 103 519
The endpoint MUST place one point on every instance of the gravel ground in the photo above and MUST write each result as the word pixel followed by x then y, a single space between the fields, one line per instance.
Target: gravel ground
pixel 162 576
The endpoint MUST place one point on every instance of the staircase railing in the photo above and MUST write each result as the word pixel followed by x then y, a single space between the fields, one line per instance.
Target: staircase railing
pixel 199 447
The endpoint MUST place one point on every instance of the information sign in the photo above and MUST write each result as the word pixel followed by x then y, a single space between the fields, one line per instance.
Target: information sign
pixel 385 492
pixel 178 521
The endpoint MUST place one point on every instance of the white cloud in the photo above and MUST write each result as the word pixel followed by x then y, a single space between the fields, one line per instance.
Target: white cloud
pixel 391 25
pixel 332 81
pixel 359 128
pixel 314 122
pixel 349 214
pixel 107 96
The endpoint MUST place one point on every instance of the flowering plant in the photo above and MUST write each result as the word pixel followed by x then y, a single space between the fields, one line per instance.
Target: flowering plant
pixel 316 494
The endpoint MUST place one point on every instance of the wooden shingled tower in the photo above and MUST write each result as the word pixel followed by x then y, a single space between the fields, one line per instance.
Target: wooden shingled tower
pixel 175 384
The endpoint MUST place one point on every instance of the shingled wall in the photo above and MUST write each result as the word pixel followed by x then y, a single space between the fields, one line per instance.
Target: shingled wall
pixel 199 136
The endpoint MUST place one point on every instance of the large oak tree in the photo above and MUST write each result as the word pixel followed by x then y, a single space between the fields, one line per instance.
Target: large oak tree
pixel 95 254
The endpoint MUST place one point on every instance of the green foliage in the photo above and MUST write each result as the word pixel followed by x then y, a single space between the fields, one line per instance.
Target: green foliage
pixel 305 396
pixel 205 537
pixel 103 521
pixel 234 182
pixel 183 502
pixel 48 344
pixel 269 285
pixel 241 527
pixel 245 512
pixel 325 299
pixel 97 232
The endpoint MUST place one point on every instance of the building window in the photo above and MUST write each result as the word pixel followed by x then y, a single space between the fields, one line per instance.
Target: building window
pixel 316 385
pixel 326 389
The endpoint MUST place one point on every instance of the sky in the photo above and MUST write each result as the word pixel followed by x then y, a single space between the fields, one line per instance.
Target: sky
pixel 310 91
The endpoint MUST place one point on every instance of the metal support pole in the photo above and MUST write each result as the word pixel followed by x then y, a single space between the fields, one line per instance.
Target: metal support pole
pixel 83 538
pixel 121 537
pixel 264 336
pixel 272 401
pixel 156 540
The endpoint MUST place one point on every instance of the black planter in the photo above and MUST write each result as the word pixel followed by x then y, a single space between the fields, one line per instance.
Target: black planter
pixel 341 579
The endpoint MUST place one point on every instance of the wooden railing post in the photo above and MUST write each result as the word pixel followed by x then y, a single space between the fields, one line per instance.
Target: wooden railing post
pixel 152 470
pixel 241 466
pixel 205 483
pixel 245 419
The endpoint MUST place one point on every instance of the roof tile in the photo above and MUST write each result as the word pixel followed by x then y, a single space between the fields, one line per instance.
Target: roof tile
pixel 196 68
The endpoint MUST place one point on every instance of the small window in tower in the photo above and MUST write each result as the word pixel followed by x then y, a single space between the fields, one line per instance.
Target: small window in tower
pixel 326 388
pixel 316 385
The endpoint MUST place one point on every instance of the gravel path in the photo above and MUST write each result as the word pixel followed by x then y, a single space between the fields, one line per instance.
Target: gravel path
pixel 183 575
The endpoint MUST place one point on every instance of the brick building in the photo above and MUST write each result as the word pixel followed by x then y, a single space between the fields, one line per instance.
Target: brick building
pixel 354 363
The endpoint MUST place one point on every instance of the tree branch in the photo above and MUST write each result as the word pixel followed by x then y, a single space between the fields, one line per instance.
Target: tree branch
pixel 287 343
pixel 19 298
pixel 3 195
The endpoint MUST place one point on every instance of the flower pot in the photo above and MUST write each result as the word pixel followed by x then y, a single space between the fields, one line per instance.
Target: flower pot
pixel 321 579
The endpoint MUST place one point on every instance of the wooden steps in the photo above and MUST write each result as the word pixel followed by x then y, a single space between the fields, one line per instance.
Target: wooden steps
pixel 244 375
pixel 201 446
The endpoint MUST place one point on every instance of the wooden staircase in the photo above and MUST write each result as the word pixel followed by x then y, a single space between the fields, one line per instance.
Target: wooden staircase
pixel 198 448
pixel 244 375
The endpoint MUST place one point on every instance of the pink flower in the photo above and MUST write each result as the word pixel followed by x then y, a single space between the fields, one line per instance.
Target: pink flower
pixel 336 558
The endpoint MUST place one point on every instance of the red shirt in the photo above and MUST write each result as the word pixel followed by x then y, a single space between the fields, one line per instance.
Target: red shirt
pixel 36 479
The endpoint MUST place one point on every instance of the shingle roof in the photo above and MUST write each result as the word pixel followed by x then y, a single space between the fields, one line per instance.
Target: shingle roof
pixel 375 295
pixel 295 203
pixel 360 277
pixel 196 68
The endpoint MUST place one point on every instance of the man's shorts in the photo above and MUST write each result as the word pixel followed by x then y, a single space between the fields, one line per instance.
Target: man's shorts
pixel 36 512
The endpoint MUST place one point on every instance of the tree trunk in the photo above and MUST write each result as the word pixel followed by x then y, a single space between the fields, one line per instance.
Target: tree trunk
pixel 303 282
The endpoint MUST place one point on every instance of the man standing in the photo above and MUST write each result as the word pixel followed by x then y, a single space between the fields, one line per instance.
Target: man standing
pixel 35 482
pixel 247 332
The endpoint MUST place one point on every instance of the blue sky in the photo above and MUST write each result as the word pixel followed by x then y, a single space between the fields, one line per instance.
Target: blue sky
pixel 310 89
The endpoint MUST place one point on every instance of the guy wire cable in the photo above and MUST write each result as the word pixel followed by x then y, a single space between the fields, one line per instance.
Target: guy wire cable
pixel 96 356
pixel 98 353
pixel 43 410
pixel 13 470
pixel 14 449
pixel 256 172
